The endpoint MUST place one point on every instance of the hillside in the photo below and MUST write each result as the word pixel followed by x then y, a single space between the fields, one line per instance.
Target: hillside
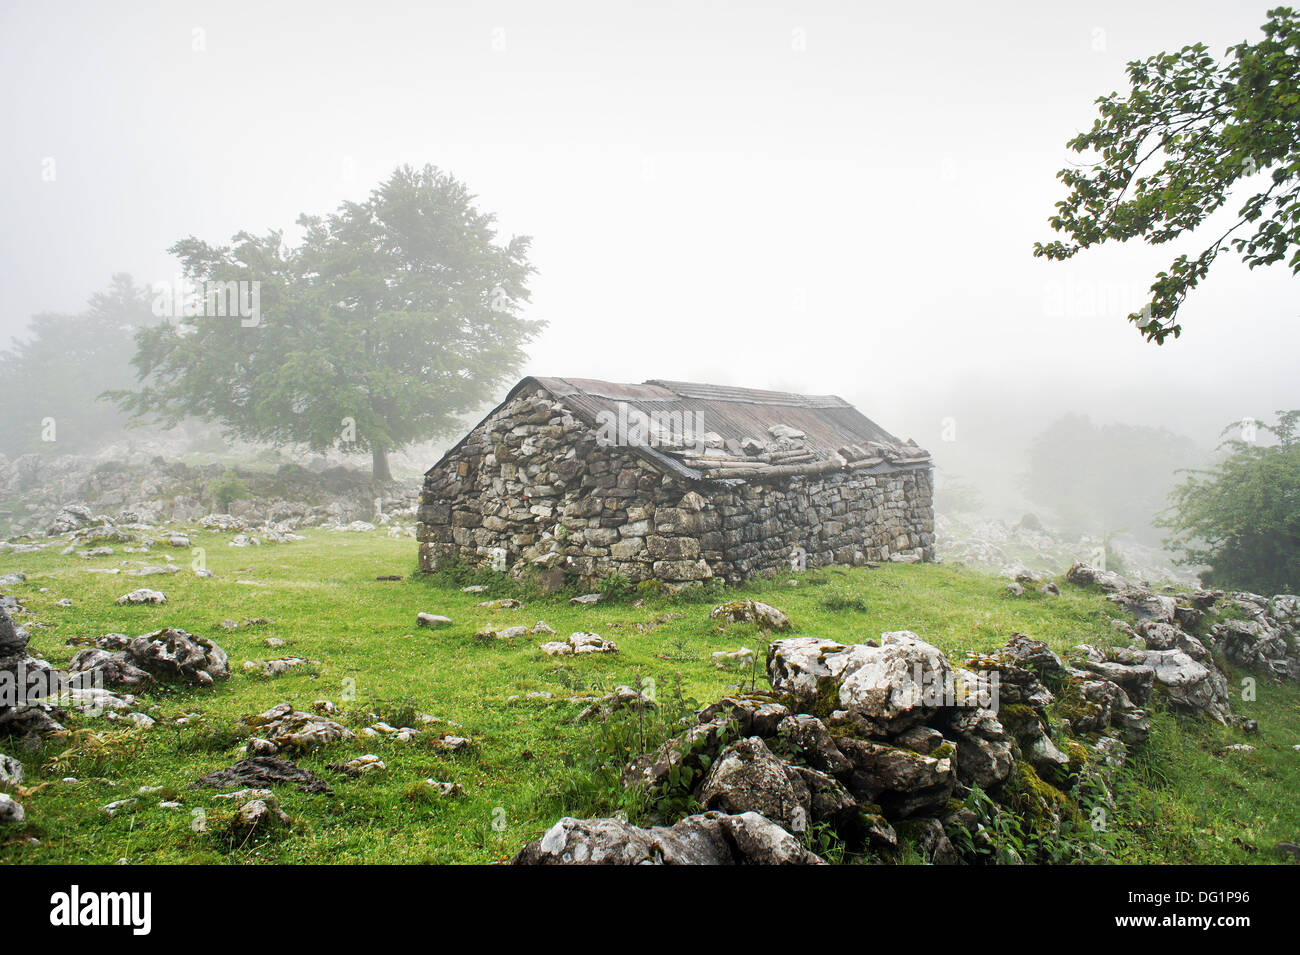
pixel 1181 797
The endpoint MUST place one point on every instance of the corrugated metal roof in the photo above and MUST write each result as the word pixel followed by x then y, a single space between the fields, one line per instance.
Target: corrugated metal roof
pixel 827 421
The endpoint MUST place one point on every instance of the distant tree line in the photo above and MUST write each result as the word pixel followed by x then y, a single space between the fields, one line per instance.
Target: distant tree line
pixel 55 372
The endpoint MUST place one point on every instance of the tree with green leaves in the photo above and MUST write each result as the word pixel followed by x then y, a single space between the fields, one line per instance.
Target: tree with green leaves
pixel 54 374
pixel 389 321
pixel 1242 518
pixel 1167 155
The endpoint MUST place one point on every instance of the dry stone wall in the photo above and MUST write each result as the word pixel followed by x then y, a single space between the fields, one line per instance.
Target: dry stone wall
pixel 532 488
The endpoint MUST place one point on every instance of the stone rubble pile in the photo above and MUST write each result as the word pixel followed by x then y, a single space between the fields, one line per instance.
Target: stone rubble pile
pixel 579 643
pixel 1255 632
pixel 865 738
pixel 860 738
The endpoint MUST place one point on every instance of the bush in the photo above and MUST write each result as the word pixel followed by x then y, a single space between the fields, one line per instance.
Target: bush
pixel 1241 518
pixel 227 489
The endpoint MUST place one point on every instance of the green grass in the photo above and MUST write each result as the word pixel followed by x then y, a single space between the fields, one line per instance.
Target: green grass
pixel 529 764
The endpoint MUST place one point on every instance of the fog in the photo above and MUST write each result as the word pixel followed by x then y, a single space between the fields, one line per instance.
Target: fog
pixel 829 197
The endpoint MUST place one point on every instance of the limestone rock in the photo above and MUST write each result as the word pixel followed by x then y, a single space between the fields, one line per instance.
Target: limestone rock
pixel 710 838
pixel 984 756
pixel 258 817
pixel 621 697
pixel 812 740
pixel 902 782
pixel 260 772
pixel 747 777
pixel 764 616
pixel 11 771
pixel 10 811
pixel 579 643
pixel 752 715
pixel 291 730
pixel 800 666
pixel 143 596
pixel 899 684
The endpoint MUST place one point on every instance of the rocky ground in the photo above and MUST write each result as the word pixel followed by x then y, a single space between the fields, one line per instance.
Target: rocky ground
pixel 865 740
pixel 989 722
pixel 48 495
pixel 1012 547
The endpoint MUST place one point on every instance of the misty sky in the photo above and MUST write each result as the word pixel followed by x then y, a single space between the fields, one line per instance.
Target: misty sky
pixel 826 197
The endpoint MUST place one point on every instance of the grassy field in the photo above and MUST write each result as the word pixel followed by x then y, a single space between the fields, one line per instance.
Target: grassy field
pixel 1180 802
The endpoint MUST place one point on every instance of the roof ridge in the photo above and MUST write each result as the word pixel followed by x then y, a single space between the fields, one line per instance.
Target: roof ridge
pixel 703 390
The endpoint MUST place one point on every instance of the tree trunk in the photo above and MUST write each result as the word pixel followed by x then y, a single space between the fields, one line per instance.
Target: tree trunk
pixel 379 472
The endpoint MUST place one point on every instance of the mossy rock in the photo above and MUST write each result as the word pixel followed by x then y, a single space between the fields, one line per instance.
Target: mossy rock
pixel 1037 802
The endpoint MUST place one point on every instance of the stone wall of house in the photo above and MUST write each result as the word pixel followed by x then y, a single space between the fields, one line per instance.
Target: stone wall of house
pixel 840 518
pixel 532 489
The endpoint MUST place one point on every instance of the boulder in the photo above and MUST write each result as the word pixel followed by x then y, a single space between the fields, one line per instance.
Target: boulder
pixel 935 846
pixel 170 655
pixel 764 616
pixel 1191 686
pixel 800 666
pixel 829 801
pixel 13 639
pixel 143 596
pixel 11 771
pixel 30 681
pixel 753 715
pixel 747 777
pixel 984 756
pixel 259 772
pixel 899 684
pixel 175 655
pixel 115 668
pixel 904 783
pixel 1104 705
pixel 10 811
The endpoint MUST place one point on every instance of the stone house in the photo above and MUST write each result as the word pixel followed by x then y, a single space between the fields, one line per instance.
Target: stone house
pixel 678 482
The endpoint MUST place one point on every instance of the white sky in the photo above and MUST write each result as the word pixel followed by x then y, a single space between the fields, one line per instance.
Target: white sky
pixel 708 202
